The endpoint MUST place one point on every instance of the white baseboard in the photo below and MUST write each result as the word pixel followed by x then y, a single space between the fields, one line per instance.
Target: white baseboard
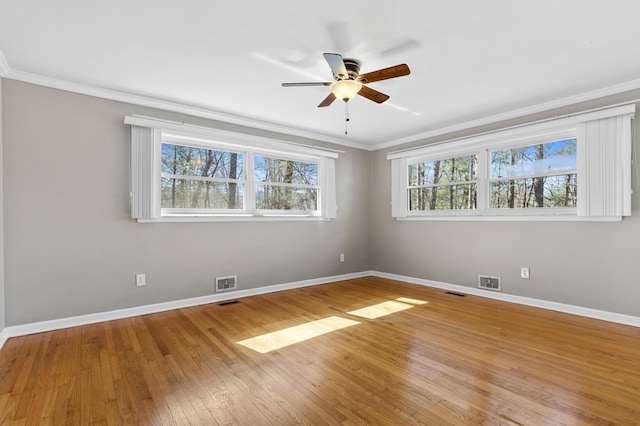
pixel 538 303
pixel 42 326
pixel 4 335
pixel 39 327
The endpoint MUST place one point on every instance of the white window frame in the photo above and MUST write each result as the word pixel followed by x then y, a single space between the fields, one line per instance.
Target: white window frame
pixel 608 201
pixel 177 139
pixel 147 136
pixel 436 157
pixel 270 212
pixel 559 134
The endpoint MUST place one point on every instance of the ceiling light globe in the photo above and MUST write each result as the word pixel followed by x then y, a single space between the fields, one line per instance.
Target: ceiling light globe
pixel 346 89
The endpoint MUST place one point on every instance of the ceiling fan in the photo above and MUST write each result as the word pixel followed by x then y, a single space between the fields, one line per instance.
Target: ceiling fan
pixel 349 82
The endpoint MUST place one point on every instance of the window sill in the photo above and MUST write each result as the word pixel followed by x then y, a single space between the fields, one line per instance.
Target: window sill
pixel 514 218
pixel 220 218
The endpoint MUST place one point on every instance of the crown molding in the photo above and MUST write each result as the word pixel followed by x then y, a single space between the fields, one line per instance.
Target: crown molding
pixel 196 111
pixel 534 109
pixel 172 106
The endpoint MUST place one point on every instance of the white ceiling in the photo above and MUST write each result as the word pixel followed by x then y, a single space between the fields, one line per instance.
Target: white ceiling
pixel 471 61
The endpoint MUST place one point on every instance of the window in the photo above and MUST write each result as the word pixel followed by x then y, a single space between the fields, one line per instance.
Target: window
pixel 199 174
pixel 199 179
pixel 446 184
pixel 576 167
pixel 534 176
pixel 285 184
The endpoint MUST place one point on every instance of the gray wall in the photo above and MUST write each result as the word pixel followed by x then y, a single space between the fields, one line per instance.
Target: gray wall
pixel 2 302
pixel 594 265
pixel 71 247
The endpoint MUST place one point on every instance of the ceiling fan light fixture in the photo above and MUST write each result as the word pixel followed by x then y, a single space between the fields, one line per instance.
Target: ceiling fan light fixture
pixel 346 89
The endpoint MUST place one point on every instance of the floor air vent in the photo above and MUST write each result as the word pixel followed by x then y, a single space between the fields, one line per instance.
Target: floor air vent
pixel 226 283
pixel 489 283
pixel 231 302
pixel 453 293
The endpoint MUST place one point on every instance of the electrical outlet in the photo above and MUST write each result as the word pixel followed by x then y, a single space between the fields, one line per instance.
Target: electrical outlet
pixel 140 280
pixel 524 273
pixel 341 257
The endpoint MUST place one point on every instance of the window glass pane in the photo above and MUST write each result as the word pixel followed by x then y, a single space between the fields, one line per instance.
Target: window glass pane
pixel 549 192
pixel 458 169
pixel 285 171
pixel 274 197
pixel 190 161
pixel 446 197
pixel 545 158
pixel 201 194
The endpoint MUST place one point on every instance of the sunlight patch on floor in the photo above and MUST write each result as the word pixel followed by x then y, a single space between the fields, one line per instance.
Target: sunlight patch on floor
pixel 288 336
pixel 411 301
pixel 268 342
pixel 381 309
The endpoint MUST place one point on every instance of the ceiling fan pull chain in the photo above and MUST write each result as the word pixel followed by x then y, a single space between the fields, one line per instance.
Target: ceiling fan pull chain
pixel 346 116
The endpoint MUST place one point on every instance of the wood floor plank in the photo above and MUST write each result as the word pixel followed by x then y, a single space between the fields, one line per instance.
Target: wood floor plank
pixel 439 359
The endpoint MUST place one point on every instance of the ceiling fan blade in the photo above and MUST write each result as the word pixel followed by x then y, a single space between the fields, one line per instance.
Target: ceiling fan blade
pixel 312 83
pixel 336 63
pixel 373 95
pixel 385 74
pixel 328 100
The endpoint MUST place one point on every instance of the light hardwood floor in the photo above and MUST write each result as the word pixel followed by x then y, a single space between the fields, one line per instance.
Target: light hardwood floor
pixel 454 360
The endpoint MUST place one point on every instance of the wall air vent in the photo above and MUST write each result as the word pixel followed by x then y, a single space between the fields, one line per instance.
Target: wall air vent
pixel 226 283
pixel 489 283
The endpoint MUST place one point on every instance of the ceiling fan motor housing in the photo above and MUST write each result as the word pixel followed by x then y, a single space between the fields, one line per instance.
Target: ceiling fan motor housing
pixel 348 81
pixel 353 68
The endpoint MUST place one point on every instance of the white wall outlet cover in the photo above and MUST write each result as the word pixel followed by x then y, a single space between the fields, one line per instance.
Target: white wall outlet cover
pixel 140 280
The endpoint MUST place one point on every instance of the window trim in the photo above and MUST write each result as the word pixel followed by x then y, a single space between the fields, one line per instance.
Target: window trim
pixel 528 134
pixel 174 139
pixel 147 136
pixel 483 179
pixel 561 135
pixel 458 212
